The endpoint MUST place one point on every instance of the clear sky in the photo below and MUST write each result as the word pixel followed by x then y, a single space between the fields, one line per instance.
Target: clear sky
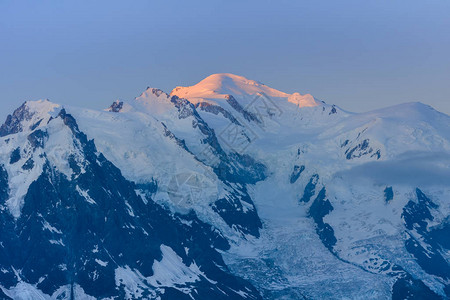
pixel 360 55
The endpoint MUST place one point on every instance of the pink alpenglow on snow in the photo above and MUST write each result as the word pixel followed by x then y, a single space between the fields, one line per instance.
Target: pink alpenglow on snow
pixel 219 86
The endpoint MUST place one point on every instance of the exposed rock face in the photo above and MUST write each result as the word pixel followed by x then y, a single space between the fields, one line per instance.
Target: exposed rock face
pixel 116 106
pixel 13 123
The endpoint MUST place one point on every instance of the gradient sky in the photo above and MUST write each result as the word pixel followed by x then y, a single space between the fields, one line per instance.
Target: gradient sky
pixel 360 55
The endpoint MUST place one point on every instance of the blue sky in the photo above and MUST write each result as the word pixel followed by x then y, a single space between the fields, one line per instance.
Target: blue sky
pixel 360 55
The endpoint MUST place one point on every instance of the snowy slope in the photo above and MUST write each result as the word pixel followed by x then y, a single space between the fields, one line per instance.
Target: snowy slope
pixel 83 231
pixel 171 145
pixel 356 159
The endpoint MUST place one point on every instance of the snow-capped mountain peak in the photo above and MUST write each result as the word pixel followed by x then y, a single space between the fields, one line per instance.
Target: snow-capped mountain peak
pixel 154 100
pixel 219 86
pixel 153 92
pixel 29 116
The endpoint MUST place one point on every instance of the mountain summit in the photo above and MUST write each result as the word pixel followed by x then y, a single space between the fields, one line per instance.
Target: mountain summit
pixel 220 85
pixel 226 84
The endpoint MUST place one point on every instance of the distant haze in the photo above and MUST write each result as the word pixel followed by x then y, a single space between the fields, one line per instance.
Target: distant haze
pixel 360 55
